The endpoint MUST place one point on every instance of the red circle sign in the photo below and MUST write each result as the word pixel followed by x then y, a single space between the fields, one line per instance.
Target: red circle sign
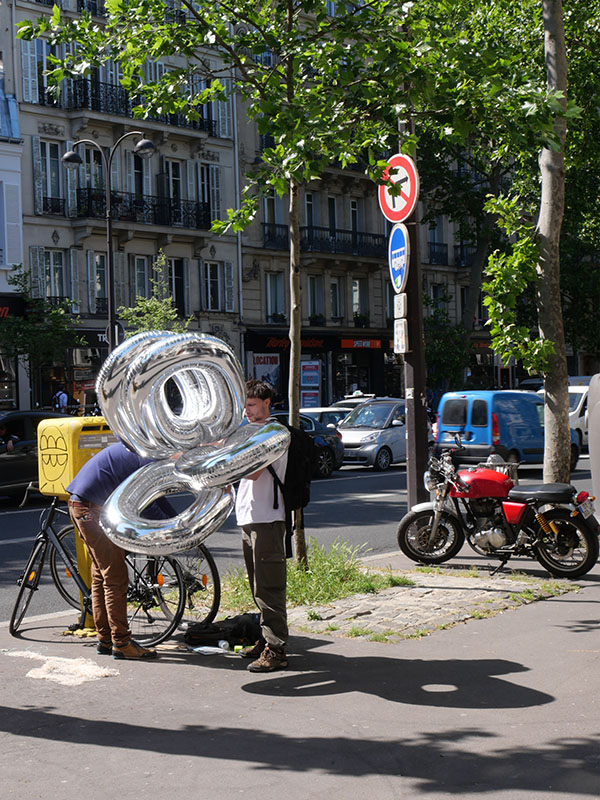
pixel 398 207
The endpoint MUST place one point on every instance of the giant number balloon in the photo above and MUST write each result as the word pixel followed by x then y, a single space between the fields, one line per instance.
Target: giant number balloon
pixel 200 448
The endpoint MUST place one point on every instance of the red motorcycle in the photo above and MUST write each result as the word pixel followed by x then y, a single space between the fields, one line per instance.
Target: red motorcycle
pixel 549 522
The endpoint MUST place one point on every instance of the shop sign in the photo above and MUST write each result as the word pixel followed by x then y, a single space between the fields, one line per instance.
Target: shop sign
pixel 267 368
pixel 309 399
pixel 361 344
pixel 283 343
pixel 310 373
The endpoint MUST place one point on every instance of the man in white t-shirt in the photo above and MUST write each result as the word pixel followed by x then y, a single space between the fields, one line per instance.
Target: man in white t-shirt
pixel 263 541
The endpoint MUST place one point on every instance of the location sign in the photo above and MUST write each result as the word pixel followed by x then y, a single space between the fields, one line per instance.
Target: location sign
pixel 399 256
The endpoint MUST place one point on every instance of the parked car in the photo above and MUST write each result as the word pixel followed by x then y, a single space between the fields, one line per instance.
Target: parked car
pixel 19 462
pixel 374 434
pixel 578 418
pixel 532 384
pixel 332 415
pixel 328 442
pixel 507 422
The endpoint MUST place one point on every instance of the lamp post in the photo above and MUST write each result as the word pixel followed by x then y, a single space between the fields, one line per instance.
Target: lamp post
pixel 71 159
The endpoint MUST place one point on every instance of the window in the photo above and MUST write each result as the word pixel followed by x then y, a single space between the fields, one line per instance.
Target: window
pixel 331 208
pixel 336 297
pixel 439 296
pixel 50 169
pixel 209 189
pixel 176 279
pixel 138 177
pixel 275 297
pixel 309 208
pixel 360 304
pixel 54 274
pixel 479 413
pixel 315 295
pixel 216 280
pixel 93 168
pixel 142 282
pixel 101 285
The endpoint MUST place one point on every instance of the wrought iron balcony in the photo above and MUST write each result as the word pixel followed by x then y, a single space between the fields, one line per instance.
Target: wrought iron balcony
pixel 438 253
pixel 148 210
pixel 53 206
pixel 95 7
pixel 105 98
pixel 327 240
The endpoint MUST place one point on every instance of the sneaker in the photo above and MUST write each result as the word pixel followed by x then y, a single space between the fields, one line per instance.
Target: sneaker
pixel 133 651
pixel 254 651
pixel 104 648
pixel 271 659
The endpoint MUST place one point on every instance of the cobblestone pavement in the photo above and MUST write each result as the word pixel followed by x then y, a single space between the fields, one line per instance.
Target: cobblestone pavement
pixel 434 601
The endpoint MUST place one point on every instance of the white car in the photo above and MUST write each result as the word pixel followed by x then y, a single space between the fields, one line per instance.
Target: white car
pixel 374 434
pixel 330 416
pixel 578 417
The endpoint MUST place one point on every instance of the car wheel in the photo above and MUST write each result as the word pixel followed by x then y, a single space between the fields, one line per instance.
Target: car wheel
pixel 383 459
pixel 325 463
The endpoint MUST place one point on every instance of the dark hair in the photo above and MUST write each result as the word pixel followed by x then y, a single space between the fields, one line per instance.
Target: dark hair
pixel 259 389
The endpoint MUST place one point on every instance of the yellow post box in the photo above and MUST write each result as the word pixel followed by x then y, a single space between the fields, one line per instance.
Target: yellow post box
pixel 64 446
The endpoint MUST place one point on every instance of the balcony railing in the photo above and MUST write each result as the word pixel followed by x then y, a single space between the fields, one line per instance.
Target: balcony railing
pixel 438 253
pixel 108 99
pixel 95 7
pixel 463 255
pixel 327 240
pixel 53 206
pixel 147 210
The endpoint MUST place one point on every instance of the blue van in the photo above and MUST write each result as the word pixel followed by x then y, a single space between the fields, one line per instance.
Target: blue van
pixel 510 423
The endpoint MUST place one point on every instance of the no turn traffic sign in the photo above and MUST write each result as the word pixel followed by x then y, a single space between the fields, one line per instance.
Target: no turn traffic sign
pixel 398 207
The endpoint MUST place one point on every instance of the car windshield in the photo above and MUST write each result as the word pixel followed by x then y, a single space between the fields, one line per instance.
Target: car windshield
pixel 574 398
pixel 368 416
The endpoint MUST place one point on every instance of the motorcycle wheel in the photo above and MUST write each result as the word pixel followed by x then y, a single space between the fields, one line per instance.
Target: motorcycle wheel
pixel 570 553
pixel 413 537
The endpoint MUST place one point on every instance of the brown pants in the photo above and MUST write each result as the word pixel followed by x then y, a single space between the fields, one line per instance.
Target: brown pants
pixel 109 574
pixel 264 554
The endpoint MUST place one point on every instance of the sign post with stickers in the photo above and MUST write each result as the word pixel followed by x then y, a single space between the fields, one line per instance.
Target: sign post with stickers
pixel 398 196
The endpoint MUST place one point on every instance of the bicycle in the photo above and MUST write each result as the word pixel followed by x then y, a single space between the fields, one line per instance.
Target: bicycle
pixel 163 592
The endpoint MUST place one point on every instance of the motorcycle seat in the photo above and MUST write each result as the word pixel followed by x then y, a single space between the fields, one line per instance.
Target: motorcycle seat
pixel 543 492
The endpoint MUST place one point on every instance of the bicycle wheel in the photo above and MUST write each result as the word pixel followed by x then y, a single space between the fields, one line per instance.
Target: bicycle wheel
pixel 155 598
pixel 61 572
pixel 28 584
pixel 202 585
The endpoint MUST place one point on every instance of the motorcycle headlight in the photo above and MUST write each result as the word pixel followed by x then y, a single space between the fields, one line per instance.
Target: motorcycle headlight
pixel 430 481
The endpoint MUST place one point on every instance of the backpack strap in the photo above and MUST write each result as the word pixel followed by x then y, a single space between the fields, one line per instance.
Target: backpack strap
pixel 276 484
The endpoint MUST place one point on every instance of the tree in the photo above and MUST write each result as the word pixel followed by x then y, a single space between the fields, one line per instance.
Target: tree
pixel 156 312
pixel 42 336
pixel 318 85
pixel 446 347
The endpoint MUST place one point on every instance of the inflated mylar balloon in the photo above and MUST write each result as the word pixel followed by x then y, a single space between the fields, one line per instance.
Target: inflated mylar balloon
pixel 201 448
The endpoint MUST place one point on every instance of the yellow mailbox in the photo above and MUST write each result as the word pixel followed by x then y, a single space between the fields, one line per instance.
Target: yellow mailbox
pixel 64 446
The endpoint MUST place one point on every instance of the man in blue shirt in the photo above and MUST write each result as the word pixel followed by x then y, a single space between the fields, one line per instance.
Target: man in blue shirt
pixel 89 490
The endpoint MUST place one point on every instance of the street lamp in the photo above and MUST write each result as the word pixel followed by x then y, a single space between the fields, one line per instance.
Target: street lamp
pixel 72 160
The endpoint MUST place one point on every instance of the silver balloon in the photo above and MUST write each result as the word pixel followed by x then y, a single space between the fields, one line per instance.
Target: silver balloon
pixel 123 521
pixel 251 448
pixel 131 389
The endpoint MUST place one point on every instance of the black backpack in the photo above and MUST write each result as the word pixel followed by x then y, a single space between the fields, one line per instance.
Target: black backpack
pixel 301 464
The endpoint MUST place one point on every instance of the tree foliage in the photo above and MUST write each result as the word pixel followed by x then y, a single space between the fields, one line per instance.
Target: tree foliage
pixel 42 336
pixel 156 312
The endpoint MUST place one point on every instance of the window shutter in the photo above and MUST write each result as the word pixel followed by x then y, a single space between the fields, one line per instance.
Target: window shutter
pixel 36 271
pixel 203 293
pixel 228 282
pixel 13 234
pixel 215 191
pixel 147 176
pixel 74 277
pixel 132 284
pixel 71 184
pixel 190 168
pixel 186 287
pixel 38 188
pixel 29 72
pixel 91 270
pixel 115 173
pixel 224 110
pixel 120 279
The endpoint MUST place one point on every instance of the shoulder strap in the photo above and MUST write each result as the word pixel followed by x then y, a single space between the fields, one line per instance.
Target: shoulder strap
pixel 276 483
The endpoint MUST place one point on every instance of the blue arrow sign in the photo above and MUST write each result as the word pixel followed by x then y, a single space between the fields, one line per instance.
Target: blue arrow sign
pixel 399 256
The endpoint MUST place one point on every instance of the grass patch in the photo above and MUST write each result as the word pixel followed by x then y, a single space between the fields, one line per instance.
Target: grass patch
pixel 313 615
pixel 356 631
pixel 331 575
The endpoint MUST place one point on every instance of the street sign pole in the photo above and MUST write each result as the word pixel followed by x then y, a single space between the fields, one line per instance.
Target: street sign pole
pixel 414 376
pixel 405 274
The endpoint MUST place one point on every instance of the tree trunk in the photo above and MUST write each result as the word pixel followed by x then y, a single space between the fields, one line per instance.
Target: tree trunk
pixel 295 348
pixel 552 167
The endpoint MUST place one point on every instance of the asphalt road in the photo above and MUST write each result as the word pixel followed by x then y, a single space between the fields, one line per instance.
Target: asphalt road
pixel 357 505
